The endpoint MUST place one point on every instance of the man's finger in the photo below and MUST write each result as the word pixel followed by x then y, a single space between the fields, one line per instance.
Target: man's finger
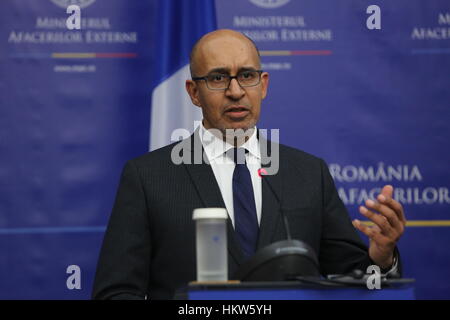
pixel 386 211
pixel 394 205
pixel 363 228
pixel 373 232
pixel 381 221
pixel 387 191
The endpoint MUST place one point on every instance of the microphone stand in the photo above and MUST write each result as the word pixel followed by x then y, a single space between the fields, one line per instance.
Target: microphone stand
pixel 280 260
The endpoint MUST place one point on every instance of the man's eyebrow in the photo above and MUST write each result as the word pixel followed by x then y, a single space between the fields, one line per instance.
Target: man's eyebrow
pixel 227 70
pixel 219 70
pixel 247 69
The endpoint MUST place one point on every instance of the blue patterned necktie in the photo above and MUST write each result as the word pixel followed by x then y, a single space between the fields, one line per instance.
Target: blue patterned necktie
pixel 245 219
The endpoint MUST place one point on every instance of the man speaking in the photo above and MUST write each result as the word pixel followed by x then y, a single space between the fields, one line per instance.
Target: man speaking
pixel 149 246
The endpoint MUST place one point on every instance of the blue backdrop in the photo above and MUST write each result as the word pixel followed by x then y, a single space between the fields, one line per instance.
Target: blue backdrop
pixel 74 105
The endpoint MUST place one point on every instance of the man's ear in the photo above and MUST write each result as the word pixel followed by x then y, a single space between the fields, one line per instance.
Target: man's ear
pixel 264 83
pixel 192 90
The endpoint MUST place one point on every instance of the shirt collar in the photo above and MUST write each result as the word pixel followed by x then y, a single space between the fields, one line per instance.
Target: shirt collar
pixel 215 147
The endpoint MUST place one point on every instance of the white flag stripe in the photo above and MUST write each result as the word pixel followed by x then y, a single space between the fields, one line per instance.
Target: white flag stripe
pixel 172 109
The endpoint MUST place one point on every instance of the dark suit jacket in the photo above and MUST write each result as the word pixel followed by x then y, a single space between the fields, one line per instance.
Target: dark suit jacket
pixel 149 246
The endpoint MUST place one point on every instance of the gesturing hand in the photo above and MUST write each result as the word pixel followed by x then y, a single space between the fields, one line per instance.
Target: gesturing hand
pixel 389 225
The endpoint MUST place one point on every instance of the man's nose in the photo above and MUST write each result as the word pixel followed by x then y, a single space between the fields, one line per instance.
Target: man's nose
pixel 234 91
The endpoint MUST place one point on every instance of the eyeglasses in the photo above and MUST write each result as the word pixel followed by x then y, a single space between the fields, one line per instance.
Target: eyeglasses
pixel 220 81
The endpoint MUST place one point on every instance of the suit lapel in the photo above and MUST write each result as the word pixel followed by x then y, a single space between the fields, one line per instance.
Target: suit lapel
pixel 208 190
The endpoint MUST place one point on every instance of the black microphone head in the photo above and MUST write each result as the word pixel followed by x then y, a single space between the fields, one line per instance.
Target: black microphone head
pixel 280 261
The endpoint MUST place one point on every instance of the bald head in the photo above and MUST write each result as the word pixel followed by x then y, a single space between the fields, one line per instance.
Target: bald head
pixel 204 44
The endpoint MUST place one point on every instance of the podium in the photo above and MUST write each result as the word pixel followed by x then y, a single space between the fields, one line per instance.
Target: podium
pixel 295 290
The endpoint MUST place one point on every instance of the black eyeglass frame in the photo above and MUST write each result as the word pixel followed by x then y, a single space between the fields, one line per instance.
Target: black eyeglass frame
pixel 205 78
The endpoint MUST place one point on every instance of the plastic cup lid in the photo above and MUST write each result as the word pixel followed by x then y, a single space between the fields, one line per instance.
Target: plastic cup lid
pixel 210 213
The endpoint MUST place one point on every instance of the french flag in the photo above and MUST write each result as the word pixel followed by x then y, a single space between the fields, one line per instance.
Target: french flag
pixel 180 23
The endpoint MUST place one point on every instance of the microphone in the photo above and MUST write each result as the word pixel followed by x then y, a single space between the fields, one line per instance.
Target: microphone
pixel 261 173
pixel 282 260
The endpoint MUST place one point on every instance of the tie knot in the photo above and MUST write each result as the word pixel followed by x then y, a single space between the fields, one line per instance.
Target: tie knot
pixel 238 155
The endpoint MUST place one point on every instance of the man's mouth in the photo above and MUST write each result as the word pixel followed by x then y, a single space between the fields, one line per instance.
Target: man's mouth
pixel 237 112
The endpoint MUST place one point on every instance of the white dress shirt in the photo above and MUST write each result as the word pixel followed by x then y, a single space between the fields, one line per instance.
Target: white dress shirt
pixel 223 167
